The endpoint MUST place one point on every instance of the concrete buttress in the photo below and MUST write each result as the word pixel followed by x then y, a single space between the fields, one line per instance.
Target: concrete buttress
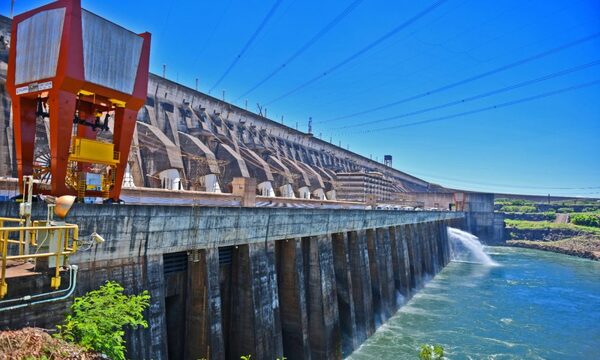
pixel 344 288
pixel 323 316
pixel 292 301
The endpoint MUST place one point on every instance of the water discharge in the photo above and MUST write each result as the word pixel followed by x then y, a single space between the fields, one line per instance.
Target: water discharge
pixel 467 248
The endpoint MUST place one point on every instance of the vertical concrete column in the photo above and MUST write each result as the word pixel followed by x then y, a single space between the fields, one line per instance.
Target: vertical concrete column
pixel 408 235
pixel 256 326
pixel 403 261
pixel 323 317
pixel 434 228
pixel 204 337
pixel 416 262
pixel 358 254
pixel 344 288
pixel 376 292
pixel 292 301
pixel 386 271
pixel 396 259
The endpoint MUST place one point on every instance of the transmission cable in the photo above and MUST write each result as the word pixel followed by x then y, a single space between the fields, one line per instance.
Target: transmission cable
pixel 477 97
pixel 248 43
pixel 483 109
pixel 475 77
pixel 362 51
pixel 305 47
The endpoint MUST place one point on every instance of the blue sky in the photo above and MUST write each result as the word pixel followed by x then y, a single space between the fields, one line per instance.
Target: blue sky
pixel 546 145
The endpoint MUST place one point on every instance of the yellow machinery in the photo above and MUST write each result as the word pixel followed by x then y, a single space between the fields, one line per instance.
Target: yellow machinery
pixel 27 246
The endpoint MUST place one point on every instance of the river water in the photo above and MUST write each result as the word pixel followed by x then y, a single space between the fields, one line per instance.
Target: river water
pixel 535 305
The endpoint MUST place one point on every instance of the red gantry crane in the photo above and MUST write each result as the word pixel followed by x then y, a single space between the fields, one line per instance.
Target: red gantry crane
pixel 89 77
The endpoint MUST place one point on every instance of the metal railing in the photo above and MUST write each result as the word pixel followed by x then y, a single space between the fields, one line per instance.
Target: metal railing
pixel 63 238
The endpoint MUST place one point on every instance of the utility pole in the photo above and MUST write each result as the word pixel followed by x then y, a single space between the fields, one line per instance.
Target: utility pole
pixel 246 105
pixel 223 94
pixel 281 119
pixel 310 125
pixel 12 6
pixel 164 71
pixel 196 84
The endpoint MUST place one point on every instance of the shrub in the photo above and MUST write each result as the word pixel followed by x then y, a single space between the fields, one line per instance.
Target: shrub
pixel 586 220
pixel 518 209
pixel 431 352
pixel 565 210
pixel 98 318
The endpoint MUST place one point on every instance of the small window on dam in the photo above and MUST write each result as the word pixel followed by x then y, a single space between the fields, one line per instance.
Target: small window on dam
pixel 175 262
pixel 225 255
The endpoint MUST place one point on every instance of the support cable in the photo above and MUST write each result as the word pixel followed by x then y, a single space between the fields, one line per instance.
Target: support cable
pixel 520 62
pixel 248 43
pixel 362 51
pixel 479 96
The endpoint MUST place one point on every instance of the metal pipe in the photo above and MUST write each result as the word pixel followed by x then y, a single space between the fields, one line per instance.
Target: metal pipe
pixel 72 285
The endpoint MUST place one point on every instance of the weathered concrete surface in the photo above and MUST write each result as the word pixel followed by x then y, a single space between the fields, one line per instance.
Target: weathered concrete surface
pixel 273 295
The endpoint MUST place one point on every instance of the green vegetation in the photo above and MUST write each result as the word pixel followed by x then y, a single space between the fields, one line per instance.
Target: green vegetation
pixel 586 220
pixel 565 210
pixel 535 225
pixel 518 209
pixel 98 318
pixel 431 352
pixel 513 202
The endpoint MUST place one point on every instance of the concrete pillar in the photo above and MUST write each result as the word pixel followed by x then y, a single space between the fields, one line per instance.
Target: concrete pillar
pixel 246 188
pixel 204 336
pixel 292 301
pixel 397 269
pixel 344 288
pixel 378 312
pixel 323 317
pixel 415 261
pixel 386 271
pixel 403 260
pixel 361 284
pixel 256 326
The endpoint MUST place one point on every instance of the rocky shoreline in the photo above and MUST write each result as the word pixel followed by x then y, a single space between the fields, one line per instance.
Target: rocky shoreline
pixel 587 247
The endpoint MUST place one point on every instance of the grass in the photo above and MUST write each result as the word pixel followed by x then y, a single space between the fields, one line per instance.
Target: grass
pixel 535 225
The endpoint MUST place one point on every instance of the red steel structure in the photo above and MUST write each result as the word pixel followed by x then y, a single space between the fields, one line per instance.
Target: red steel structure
pixel 81 72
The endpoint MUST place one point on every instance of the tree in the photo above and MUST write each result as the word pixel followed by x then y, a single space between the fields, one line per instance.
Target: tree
pixel 97 319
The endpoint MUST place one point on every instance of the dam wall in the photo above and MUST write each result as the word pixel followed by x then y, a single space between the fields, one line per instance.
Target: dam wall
pixel 271 282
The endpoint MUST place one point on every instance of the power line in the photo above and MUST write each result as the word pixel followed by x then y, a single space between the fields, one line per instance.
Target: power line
pixel 211 34
pixel 248 43
pixel 362 51
pixel 480 96
pixel 305 47
pixel 474 78
pixel 487 108
pixel 504 185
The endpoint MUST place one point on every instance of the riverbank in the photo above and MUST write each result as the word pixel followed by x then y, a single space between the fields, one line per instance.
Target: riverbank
pixel 586 246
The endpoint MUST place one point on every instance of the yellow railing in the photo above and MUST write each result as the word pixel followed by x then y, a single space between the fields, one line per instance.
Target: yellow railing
pixel 14 238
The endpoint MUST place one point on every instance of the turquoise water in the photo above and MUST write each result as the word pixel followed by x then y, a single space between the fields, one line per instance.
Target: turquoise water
pixel 535 305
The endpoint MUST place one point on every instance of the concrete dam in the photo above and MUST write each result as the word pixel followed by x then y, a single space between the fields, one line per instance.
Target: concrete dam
pixel 252 237
pixel 226 282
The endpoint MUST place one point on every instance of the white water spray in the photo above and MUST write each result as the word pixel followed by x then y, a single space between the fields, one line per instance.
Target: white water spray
pixel 466 247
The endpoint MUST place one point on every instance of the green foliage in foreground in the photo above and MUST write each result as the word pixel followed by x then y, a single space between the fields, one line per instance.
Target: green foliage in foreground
pixel 97 319
pixel 518 209
pixel 534 225
pixel 586 220
pixel 431 352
